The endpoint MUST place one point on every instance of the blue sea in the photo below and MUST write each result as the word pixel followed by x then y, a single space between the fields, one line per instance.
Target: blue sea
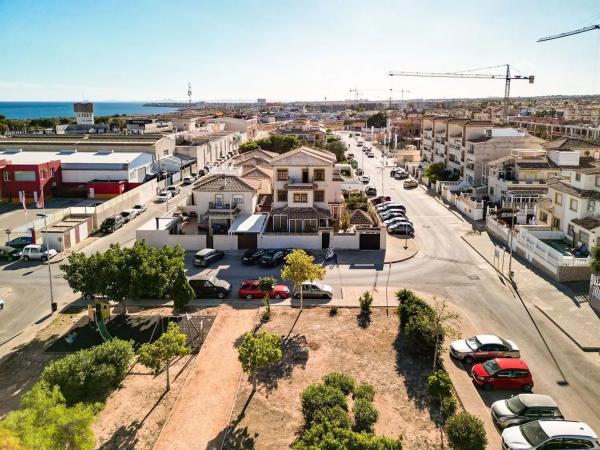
pixel 36 110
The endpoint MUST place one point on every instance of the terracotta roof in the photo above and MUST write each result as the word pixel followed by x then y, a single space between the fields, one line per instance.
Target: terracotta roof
pixel 589 223
pixel 570 144
pixel 267 172
pixel 302 213
pixel 571 190
pixel 360 217
pixel 223 183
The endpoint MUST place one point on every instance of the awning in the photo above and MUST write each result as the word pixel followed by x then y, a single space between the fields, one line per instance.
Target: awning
pixel 248 223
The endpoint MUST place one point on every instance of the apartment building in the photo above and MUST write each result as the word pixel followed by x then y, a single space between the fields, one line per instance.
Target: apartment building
pixel 311 131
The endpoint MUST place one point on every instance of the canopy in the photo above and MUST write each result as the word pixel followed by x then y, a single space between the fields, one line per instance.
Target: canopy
pixel 248 223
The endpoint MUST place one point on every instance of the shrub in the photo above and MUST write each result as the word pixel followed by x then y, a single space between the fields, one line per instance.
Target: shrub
pixel 440 385
pixel 365 301
pixel 341 381
pixel 326 436
pixel 364 391
pixel 333 311
pixel 335 416
pixel 449 406
pixel 424 334
pixel 365 415
pixel 90 374
pixel 318 396
pixel 466 432
pixel 410 306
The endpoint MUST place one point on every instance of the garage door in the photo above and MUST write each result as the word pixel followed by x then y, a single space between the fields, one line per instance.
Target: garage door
pixel 369 241
pixel 247 240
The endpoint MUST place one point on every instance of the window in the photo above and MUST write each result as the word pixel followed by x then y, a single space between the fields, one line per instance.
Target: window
pixel 584 237
pixel 42 174
pixel 24 175
pixel 282 196
pixel 577 177
pixel 51 171
pixel 573 204
pixel 543 217
pixel 300 198
pixel 556 223
pixel 282 174
pixel 571 230
pixel 238 200
pixel 319 175
pixel 319 196
pixel 558 198
pixel 5 175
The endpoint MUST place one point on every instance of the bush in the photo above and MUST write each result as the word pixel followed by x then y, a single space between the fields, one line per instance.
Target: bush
pixel 365 301
pixel 319 396
pixel 334 416
pixel 449 406
pixel 410 306
pixel 326 436
pixel 466 432
pixel 440 385
pixel 91 374
pixel 364 391
pixel 341 381
pixel 424 334
pixel 333 311
pixel 365 415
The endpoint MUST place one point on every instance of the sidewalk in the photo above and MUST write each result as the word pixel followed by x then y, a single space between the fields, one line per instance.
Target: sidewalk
pixel 202 411
pixel 556 301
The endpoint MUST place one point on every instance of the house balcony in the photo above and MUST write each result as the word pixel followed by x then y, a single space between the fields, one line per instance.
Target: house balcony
pixel 300 183
pixel 470 167
pixel 222 209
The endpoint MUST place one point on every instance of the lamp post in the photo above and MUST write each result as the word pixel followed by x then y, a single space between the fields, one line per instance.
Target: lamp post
pixel 53 306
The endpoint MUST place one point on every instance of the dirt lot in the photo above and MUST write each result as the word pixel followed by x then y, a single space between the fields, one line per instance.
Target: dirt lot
pixel 272 418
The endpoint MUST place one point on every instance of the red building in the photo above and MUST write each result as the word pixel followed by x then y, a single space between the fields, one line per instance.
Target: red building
pixel 29 180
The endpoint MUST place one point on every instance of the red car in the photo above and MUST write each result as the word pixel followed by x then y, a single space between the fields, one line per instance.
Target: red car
pixel 503 373
pixel 380 199
pixel 249 289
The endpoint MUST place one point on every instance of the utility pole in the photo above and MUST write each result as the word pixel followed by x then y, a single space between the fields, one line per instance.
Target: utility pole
pixel 53 306
pixel 189 93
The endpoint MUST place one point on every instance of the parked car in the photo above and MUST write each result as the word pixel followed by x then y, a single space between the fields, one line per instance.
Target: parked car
pixel 209 286
pixel 9 253
pixel 384 205
pixel 189 180
pixel 400 175
pixel 34 251
pixel 19 242
pixel 140 208
pixel 392 214
pixel 404 229
pixel 207 256
pixel 550 434
pixel 370 190
pixel 252 255
pixel 393 221
pixel 410 184
pixel 350 155
pixel 173 189
pixel 359 172
pixel 523 408
pixel 249 289
pixel 272 258
pixel 503 373
pixel 483 347
pixel 129 214
pixel 380 199
pixel 392 207
pixel 314 290
pixel 364 179
pixel 112 223
pixel 371 155
pixel 163 196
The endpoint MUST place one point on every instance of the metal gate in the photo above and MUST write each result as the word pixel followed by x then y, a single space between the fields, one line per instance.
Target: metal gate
pixel 325 239
pixel 247 240
pixel 369 241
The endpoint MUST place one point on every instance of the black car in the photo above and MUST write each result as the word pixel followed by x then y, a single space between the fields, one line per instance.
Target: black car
pixel 209 286
pixel 206 256
pixel 252 255
pixel 370 190
pixel 110 224
pixel 20 242
pixel 272 258
pixel 9 253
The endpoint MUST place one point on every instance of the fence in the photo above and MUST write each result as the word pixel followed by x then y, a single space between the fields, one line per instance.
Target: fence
pixel 595 293
pixel 531 242
pixel 139 194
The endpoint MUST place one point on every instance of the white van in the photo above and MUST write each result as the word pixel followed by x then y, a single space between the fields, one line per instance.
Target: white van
pixel 34 251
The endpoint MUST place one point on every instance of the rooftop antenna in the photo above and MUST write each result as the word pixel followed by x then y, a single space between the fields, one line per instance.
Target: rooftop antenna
pixel 190 95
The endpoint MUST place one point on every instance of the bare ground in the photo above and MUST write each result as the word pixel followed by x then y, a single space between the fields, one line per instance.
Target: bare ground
pixel 271 419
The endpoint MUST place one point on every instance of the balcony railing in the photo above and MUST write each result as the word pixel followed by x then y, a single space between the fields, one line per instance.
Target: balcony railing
pixel 222 207
pixel 470 166
pixel 307 183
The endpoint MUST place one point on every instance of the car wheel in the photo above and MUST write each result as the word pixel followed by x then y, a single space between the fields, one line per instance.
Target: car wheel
pixel 468 360
pixel 221 295
pixel 326 296
pixel 297 296
pixel 44 258
pixel 526 388
pixel 249 296
pixel 26 258
pixel 277 296
pixel 488 387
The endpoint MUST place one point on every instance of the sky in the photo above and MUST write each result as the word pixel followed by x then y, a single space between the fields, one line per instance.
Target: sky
pixel 64 50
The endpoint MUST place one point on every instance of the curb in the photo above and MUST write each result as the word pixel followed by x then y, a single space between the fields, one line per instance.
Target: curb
pixel 566 333
pixel 402 259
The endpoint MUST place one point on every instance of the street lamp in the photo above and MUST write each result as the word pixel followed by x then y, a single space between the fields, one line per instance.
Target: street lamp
pixel 53 305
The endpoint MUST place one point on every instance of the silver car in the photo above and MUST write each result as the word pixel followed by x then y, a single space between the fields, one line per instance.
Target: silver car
pixel 483 347
pixel 314 290
pixel 523 408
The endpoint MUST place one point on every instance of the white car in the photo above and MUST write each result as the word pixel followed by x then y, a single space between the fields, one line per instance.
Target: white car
pixel 550 434
pixel 364 179
pixel 34 251
pixel 164 196
pixel 140 208
pixel 395 220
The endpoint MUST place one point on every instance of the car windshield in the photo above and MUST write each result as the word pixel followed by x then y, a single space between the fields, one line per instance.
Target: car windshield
pixel 110 221
pixel 533 433
pixel 213 280
pixel 515 405
pixel 473 343
pixel 491 366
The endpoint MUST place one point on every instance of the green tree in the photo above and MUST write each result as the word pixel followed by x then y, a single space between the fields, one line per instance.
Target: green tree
pixel 181 291
pixel 266 285
pixel 248 146
pixel 44 421
pixel 258 352
pixel 378 120
pixel 440 385
pixel 318 396
pixel 338 148
pixel 435 172
pixel 596 260
pixel 365 415
pixel 161 353
pixel 300 268
pixel 9 440
pixel 345 221
pixel 466 432
pixel 364 390
pixel 341 381
pixel 365 300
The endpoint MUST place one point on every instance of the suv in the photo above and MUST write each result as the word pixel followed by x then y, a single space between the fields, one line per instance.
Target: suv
pixel 209 286
pixel 523 408
pixel 252 255
pixel 206 256
pixel 110 224
pixel 503 373
pixel 35 251
pixel 550 434
pixel 314 290
pixel 189 180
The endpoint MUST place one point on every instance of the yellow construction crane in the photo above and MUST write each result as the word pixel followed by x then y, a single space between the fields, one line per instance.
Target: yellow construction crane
pixel 569 33
pixel 507 77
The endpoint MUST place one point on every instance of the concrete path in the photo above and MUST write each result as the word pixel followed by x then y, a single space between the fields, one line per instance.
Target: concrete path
pixel 202 410
pixel 574 318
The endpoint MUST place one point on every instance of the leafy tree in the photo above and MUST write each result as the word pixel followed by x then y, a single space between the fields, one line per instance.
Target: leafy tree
pixel 466 432
pixel 365 415
pixel 410 305
pixel 248 146
pixel 440 385
pixel 300 268
pixel 162 352
pixel 596 260
pixel 181 291
pixel 365 391
pixel 435 172
pixel 341 381
pixel 330 437
pixel 365 301
pixel 9 440
pixel 378 120
pixel 90 374
pixel 266 285
pixel 358 201
pixel 258 352
pixel 345 221
pixel 338 148
pixel 316 397
pixel 44 421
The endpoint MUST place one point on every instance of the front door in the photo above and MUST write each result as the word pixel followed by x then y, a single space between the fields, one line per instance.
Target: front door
pixel 325 240
pixel 218 200
pixel 305 175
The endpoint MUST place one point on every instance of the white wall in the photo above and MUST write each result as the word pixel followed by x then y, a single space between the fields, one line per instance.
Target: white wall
pixel 83 176
pixel 346 241
pixel 284 240
pixel 225 242
pixel 160 238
